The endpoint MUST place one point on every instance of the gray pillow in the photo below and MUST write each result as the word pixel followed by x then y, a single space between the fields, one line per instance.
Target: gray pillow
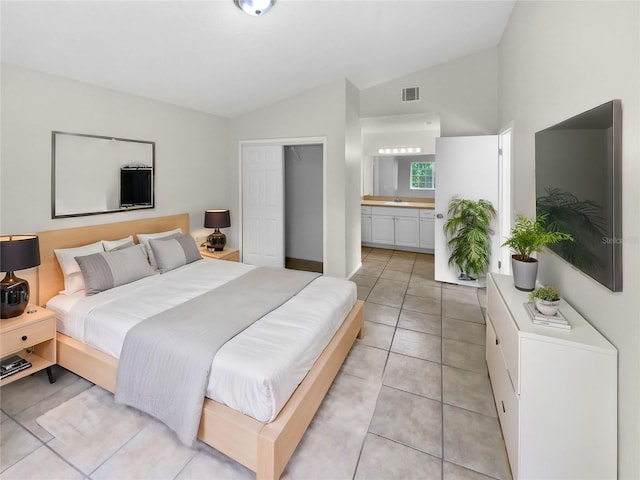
pixel 174 252
pixel 102 271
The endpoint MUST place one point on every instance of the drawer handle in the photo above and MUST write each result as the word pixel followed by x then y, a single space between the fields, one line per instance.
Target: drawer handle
pixel 497 341
pixel 24 338
pixel 503 409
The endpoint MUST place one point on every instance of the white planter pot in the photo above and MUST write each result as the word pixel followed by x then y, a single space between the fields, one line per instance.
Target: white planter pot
pixel 546 307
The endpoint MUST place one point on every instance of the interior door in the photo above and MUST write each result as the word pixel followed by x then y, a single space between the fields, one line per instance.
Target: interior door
pixel 263 205
pixel 466 167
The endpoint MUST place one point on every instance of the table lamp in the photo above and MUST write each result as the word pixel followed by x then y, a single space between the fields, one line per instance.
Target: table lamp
pixel 17 252
pixel 216 219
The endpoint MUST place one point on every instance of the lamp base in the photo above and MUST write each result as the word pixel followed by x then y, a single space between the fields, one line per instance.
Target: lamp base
pixel 216 241
pixel 14 296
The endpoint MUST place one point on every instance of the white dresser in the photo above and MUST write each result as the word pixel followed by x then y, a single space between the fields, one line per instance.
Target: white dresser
pixel 555 390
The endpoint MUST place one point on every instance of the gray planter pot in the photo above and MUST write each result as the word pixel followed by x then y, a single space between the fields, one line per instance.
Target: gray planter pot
pixel 524 274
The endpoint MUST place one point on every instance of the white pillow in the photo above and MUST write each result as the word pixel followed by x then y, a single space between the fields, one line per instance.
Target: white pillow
pixel 143 239
pixel 113 244
pixel 73 279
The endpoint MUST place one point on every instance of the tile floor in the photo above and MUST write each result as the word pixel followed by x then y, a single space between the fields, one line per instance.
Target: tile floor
pixel 412 401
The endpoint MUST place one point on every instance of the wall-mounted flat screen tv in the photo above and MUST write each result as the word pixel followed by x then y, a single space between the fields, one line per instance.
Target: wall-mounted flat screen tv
pixel 579 190
pixel 136 187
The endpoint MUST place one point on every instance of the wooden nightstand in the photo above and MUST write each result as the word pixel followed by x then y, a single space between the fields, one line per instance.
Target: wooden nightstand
pixel 33 337
pixel 229 254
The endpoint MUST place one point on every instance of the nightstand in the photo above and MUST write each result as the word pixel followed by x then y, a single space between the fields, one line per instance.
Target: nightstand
pixel 229 254
pixel 33 337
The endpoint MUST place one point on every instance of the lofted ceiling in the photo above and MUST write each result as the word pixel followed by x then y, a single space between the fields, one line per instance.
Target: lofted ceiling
pixel 212 57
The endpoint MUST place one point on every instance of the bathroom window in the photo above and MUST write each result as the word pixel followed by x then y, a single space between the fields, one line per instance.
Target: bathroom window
pixel 422 176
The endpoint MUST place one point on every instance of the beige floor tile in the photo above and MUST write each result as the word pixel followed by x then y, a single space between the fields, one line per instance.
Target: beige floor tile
pixel 409 419
pixel 400 264
pixel 391 274
pixel 462 311
pixel 388 292
pixel 466 295
pixel 211 464
pixel 364 280
pixel 456 472
pixel 420 322
pixel 466 356
pixel 377 335
pixel 16 443
pixel 468 390
pixel 429 291
pixel 417 344
pixel 155 452
pixel 474 441
pixel 371 268
pixel 365 362
pixel 422 304
pixel 384 314
pixel 407 464
pixel 40 465
pixel 414 375
pixel 363 292
pixel 464 331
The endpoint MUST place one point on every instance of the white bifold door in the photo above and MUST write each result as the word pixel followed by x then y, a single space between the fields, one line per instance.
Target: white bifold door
pixel 466 167
pixel 263 205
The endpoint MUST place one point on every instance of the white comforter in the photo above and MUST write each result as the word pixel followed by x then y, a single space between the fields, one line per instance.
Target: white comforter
pixel 257 371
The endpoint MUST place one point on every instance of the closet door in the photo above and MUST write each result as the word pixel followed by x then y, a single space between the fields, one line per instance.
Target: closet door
pixel 263 205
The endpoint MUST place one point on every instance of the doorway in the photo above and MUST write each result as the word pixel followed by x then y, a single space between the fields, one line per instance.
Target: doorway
pixel 283 203
pixel 303 210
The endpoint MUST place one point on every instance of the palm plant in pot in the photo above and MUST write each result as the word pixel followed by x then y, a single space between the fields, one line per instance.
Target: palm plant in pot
pixel 469 235
pixel 529 236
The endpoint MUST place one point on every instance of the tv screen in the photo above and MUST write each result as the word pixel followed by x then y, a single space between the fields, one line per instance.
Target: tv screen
pixel 578 189
pixel 135 187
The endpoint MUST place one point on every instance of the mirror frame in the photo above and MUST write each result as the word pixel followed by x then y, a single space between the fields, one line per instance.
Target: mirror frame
pixel 55 134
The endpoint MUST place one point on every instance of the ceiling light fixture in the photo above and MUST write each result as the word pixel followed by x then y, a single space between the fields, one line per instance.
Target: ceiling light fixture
pixel 401 150
pixel 255 7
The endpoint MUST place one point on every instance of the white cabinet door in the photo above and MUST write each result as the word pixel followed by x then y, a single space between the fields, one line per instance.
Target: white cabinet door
pixel 263 205
pixel 407 230
pixel 365 223
pixel 467 167
pixel 382 229
pixel 427 233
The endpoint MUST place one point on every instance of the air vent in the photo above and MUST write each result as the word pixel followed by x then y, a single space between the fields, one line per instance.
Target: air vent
pixel 411 94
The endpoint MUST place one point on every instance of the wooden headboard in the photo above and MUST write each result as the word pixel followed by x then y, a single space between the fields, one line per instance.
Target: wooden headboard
pixel 50 278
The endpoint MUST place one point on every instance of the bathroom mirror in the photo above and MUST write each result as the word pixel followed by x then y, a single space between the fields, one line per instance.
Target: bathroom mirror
pixel 93 174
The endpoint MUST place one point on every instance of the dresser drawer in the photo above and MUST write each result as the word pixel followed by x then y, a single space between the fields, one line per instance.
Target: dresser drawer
pixel 506 333
pixel 508 407
pixel 28 335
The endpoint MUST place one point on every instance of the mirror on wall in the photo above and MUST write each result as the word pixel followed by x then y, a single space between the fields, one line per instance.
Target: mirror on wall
pixel 93 174
pixel 392 176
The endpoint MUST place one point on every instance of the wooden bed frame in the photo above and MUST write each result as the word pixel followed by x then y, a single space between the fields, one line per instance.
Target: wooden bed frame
pixel 263 448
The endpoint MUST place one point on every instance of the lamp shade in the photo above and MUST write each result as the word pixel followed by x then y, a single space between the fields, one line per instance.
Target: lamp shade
pixel 255 7
pixel 18 252
pixel 217 219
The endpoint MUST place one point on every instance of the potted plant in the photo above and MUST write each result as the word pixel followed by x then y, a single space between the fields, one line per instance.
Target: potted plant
pixel 469 235
pixel 529 236
pixel 546 300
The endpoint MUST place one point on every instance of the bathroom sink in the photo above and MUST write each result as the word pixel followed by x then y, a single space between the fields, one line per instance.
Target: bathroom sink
pixel 398 204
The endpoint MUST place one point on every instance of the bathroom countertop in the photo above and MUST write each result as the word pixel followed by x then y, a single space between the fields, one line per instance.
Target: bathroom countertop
pixel 427 203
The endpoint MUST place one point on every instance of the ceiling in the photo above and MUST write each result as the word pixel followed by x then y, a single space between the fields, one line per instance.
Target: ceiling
pixel 212 57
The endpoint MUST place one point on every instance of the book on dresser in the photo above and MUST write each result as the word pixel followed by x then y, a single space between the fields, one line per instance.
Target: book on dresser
pixel 557 321
pixel 12 364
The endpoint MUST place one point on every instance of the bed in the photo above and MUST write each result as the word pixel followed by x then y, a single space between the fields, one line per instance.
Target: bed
pixel 263 448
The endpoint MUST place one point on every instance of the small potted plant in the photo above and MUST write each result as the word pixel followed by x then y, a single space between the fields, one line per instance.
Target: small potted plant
pixel 469 235
pixel 529 236
pixel 546 300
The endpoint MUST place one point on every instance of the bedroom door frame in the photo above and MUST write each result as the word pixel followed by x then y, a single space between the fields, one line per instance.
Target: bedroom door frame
pixel 282 142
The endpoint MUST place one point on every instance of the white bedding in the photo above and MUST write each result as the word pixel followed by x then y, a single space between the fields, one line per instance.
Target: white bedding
pixel 254 373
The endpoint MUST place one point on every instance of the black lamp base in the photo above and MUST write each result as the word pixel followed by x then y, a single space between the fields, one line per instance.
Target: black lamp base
pixel 216 241
pixel 14 296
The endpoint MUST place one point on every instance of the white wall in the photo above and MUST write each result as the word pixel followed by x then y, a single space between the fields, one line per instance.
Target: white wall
pixel 558 59
pixel 191 148
pixel 316 113
pixel 353 174
pixel 464 92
